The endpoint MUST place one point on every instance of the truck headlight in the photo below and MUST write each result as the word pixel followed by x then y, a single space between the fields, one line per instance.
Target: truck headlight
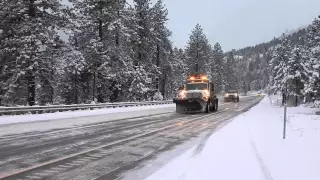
pixel 226 95
pixel 182 94
pixel 205 94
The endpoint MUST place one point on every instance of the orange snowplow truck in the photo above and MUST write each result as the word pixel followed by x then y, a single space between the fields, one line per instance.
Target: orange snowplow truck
pixel 196 95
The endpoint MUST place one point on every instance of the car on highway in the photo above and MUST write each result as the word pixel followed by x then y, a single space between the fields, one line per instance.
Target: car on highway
pixel 231 95
pixel 260 94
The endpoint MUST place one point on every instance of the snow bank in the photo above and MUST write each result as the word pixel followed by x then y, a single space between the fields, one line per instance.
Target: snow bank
pixel 315 104
pixel 251 148
pixel 75 114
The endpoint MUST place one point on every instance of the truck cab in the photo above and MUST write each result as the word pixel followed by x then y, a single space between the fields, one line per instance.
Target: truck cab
pixel 196 95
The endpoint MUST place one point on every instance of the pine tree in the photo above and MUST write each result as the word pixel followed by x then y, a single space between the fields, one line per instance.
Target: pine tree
pixel 279 65
pixel 92 20
pixel 218 68
pixel 297 71
pixel 30 33
pixel 160 37
pixel 230 70
pixel 198 51
pixel 143 46
pixel 177 72
pixel 313 44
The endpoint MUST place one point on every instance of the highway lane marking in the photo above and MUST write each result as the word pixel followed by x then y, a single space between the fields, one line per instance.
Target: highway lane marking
pixel 40 174
pixel 65 166
pixel 33 177
pixel 22 170
pixel 89 158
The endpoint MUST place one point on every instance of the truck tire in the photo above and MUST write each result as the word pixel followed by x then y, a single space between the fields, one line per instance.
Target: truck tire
pixel 179 109
pixel 207 110
pixel 216 105
pixel 212 106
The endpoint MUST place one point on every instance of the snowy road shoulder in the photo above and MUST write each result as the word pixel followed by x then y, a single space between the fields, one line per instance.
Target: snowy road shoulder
pixel 251 147
pixel 62 120
pixel 76 114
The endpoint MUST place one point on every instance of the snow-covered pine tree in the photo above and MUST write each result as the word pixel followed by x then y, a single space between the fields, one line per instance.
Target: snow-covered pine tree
pixel 121 31
pixel 143 42
pixel 177 74
pixel 198 51
pixel 70 90
pixel 30 30
pixel 51 75
pixel 313 44
pixel 160 34
pixel 143 47
pixel 230 70
pixel 279 65
pixel 92 22
pixel 241 73
pixel 104 31
pixel 297 73
pixel 218 68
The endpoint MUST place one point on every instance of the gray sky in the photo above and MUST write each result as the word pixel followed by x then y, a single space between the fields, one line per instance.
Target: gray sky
pixel 238 23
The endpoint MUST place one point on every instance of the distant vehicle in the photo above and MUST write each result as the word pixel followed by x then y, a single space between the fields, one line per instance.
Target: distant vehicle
pixel 260 94
pixel 231 95
pixel 196 95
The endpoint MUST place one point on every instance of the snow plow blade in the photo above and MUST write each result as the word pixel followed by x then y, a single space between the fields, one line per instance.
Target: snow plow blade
pixel 189 105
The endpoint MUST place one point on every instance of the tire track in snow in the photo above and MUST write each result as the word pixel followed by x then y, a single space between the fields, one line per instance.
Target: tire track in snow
pixel 264 168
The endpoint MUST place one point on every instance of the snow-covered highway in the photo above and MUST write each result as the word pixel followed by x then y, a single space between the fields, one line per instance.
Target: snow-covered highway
pixel 103 146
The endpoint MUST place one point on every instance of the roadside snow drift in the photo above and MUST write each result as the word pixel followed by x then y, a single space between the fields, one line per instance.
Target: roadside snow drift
pixel 251 148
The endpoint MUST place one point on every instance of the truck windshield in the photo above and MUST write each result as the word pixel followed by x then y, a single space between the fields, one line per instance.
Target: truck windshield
pixel 232 91
pixel 198 86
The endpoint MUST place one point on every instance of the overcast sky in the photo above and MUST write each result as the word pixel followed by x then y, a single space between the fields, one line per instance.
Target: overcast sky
pixel 238 23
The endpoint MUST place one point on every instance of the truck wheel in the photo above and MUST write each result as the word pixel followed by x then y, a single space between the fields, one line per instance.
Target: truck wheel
pixel 216 105
pixel 179 109
pixel 212 106
pixel 207 110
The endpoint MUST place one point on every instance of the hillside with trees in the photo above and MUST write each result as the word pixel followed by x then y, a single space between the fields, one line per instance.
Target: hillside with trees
pixel 289 63
pixel 121 52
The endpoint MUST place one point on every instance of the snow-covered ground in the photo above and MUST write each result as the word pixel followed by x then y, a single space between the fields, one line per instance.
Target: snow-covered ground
pixel 74 114
pixel 251 148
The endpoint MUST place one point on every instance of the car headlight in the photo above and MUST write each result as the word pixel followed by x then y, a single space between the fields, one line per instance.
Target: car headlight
pixel 235 95
pixel 226 95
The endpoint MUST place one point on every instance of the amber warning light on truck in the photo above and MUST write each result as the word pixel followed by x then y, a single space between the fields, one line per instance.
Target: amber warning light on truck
pixel 201 77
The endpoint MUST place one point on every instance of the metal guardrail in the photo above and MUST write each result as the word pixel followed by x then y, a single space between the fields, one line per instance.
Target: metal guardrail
pixel 60 108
